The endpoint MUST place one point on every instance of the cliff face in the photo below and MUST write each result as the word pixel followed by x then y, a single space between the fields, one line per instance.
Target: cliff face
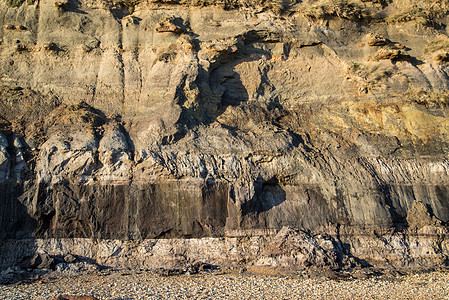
pixel 143 121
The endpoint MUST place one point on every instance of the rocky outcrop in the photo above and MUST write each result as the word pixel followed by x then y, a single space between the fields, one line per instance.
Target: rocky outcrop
pixel 295 134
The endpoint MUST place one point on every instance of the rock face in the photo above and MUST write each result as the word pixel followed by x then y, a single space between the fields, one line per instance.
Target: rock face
pixel 290 133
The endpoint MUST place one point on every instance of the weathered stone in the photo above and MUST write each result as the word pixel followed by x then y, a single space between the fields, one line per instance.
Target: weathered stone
pixel 419 216
pixel 229 136
pixel 69 258
pixel 377 40
pixel 169 25
pixel 42 261
pixel 387 54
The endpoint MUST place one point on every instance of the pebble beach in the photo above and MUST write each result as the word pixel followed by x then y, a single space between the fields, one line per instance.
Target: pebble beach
pixel 147 285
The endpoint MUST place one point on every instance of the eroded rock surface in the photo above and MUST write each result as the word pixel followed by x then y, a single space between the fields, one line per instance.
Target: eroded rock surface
pixel 310 133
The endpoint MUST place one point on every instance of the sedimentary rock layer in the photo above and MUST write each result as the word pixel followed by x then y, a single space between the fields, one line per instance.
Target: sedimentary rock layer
pixel 136 122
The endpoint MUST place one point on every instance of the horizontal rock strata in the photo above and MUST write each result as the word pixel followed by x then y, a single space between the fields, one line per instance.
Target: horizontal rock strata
pixel 300 134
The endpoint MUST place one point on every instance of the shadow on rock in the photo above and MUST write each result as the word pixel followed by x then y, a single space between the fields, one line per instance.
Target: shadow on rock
pixel 190 269
pixel 17 245
pixel 268 194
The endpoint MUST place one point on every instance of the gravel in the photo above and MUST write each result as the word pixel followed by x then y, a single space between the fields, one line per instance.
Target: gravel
pixel 148 285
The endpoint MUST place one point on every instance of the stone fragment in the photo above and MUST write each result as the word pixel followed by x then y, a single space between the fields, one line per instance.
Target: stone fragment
pixel 377 40
pixel 69 258
pixel 7 275
pixel 42 261
pixel 390 54
pixel 76 267
pixel 419 216
pixel 169 25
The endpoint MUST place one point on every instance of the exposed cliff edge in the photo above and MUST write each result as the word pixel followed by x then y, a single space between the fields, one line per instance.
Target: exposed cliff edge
pixel 274 133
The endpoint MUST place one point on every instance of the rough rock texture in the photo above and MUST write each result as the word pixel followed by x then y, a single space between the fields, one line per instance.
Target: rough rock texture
pixel 70 297
pixel 272 133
